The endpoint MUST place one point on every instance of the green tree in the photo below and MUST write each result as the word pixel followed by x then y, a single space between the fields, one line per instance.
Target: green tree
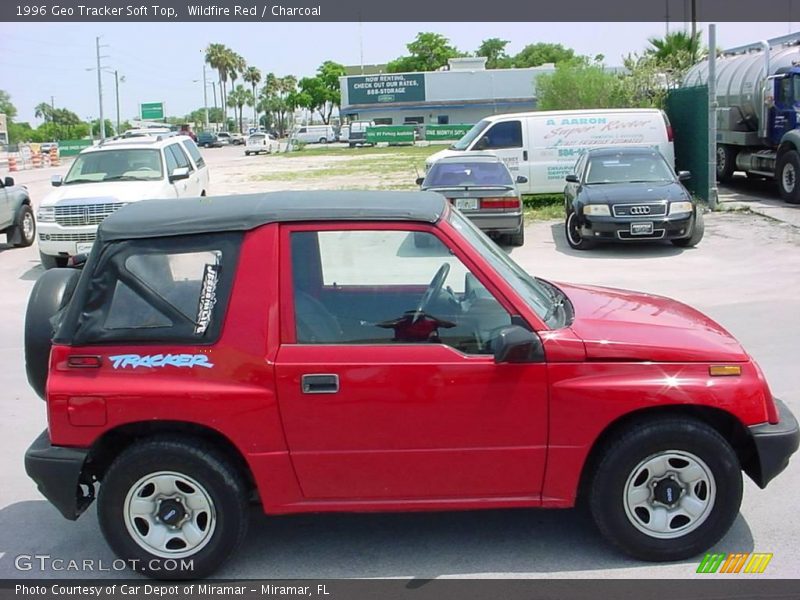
pixel 494 49
pixel 581 84
pixel 428 52
pixel 43 111
pixel 278 100
pixel 224 61
pixel 678 50
pixel 534 55
pixel 108 126
pixel 239 96
pixel 252 75
pixel 6 107
pixel 20 132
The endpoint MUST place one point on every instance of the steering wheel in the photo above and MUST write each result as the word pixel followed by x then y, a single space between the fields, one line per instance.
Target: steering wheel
pixel 433 291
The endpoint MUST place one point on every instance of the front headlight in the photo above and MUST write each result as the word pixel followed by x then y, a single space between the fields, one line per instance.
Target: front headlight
pixel 676 208
pixel 597 210
pixel 46 214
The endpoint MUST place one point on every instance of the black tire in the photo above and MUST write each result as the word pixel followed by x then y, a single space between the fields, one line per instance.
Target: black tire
pixel 787 174
pixel 50 294
pixel 621 460
pixel 188 458
pixel 52 262
pixel 23 232
pixel 323 140
pixel 516 239
pixel 697 232
pixel 726 162
pixel 351 145
pixel 247 153
pixel 574 238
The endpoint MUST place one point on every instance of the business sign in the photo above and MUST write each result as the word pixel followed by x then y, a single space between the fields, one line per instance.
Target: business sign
pixel 446 132
pixel 376 89
pixel 151 111
pixel 72 147
pixel 394 134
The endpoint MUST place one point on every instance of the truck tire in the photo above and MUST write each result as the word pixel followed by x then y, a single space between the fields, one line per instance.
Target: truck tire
pixel 23 232
pixel 173 500
pixel 787 174
pixel 726 162
pixel 50 294
pixel 666 489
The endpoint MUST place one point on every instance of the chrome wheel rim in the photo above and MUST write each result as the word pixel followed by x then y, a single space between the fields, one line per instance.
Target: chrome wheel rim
pixel 789 177
pixel 669 494
pixel 28 227
pixel 572 230
pixel 170 515
pixel 720 160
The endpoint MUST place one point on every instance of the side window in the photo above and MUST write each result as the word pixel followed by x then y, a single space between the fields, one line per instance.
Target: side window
pixel 507 134
pixel 301 130
pixel 180 156
pixel 172 163
pixel 389 287
pixel 191 148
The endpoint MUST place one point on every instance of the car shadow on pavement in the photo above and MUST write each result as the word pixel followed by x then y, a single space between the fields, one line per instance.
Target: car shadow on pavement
pixel 33 273
pixel 615 250
pixel 417 546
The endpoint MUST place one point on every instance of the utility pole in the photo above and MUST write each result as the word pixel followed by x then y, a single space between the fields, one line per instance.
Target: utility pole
pixel 666 5
pixel 116 89
pixel 205 94
pixel 712 116
pixel 100 91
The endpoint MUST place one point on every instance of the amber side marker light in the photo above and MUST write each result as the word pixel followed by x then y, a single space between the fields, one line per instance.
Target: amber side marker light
pixel 725 370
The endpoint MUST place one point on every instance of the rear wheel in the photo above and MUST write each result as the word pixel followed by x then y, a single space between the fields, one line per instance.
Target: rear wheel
pixel 667 489
pixel 173 502
pixel 516 239
pixel 787 173
pixel 726 162
pixel 573 234
pixel 323 140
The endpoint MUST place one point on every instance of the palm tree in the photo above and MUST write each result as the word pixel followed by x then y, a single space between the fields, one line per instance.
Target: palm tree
pixel 44 111
pixel 677 50
pixel 239 96
pixel 253 76
pixel 221 58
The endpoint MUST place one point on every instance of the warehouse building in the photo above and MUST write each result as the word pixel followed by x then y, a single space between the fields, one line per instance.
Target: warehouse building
pixel 466 92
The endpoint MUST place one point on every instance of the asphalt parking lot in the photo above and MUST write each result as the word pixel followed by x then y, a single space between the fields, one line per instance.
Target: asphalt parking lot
pixel 745 274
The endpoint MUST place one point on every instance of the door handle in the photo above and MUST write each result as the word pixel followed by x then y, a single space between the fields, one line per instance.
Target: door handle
pixel 320 384
pixel 525 155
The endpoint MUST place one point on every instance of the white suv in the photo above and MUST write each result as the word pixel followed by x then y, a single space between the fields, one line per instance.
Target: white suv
pixel 108 176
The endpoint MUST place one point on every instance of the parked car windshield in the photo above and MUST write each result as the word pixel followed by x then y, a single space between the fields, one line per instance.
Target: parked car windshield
pixel 136 164
pixel 636 168
pixel 466 173
pixel 546 300
pixel 470 136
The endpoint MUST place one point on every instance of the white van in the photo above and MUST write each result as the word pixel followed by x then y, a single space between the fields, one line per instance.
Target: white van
pixel 314 134
pixel 544 146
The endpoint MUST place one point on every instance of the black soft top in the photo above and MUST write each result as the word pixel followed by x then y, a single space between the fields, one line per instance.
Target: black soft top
pixel 185 216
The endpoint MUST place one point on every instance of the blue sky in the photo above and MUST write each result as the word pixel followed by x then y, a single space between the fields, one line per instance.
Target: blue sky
pixel 161 60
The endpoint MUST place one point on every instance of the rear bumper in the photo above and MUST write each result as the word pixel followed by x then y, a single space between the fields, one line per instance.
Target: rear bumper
pixel 57 471
pixel 613 229
pixel 774 445
pixel 497 222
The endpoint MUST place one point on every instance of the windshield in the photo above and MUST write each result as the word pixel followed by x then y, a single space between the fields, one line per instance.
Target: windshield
pixel 135 164
pixel 470 136
pixel 635 168
pixel 463 174
pixel 546 300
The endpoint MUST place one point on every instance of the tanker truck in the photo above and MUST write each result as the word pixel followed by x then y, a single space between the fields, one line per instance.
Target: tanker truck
pixel 758 99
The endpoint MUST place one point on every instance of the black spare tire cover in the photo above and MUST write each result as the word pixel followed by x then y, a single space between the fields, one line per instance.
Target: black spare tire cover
pixel 51 293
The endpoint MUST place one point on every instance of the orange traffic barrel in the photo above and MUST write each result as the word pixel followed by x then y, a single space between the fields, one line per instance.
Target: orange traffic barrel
pixel 37 160
pixel 54 157
pixel 12 163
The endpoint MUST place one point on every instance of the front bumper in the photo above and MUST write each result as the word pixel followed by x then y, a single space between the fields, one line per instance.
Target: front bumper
pixel 616 229
pixel 774 445
pixel 58 473
pixel 57 240
pixel 510 222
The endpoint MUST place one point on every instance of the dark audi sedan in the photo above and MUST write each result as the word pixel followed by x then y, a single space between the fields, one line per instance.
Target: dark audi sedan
pixel 482 187
pixel 628 195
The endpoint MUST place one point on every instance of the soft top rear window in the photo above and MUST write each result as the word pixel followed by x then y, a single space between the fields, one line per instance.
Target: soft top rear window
pixel 160 289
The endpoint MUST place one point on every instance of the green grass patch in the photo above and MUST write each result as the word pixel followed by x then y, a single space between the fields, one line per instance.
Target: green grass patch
pixel 543 207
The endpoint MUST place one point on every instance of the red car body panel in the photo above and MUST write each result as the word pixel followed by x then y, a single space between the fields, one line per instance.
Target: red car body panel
pixel 413 427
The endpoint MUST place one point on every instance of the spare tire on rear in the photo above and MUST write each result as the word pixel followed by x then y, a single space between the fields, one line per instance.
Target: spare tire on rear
pixel 51 293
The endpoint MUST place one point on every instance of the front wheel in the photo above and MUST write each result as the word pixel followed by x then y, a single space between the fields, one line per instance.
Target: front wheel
pixel 666 490
pixel 572 231
pixel 173 508
pixel 787 173
pixel 698 230
pixel 23 233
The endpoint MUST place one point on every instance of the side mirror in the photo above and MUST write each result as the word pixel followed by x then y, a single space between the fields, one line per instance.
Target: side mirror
pixel 571 178
pixel 8 182
pixel 178 174
pixel 515 344
pixel 419 180
pixel 522 179
pixel 56 180
pixel 684 175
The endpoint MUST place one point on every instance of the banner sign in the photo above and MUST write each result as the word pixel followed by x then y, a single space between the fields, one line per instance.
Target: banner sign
pixel 389 87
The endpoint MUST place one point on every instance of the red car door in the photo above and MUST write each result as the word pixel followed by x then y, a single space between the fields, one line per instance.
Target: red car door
pixel 379 402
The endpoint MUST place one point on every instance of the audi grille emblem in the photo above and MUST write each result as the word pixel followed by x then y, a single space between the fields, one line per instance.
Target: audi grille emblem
pixel 640 210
